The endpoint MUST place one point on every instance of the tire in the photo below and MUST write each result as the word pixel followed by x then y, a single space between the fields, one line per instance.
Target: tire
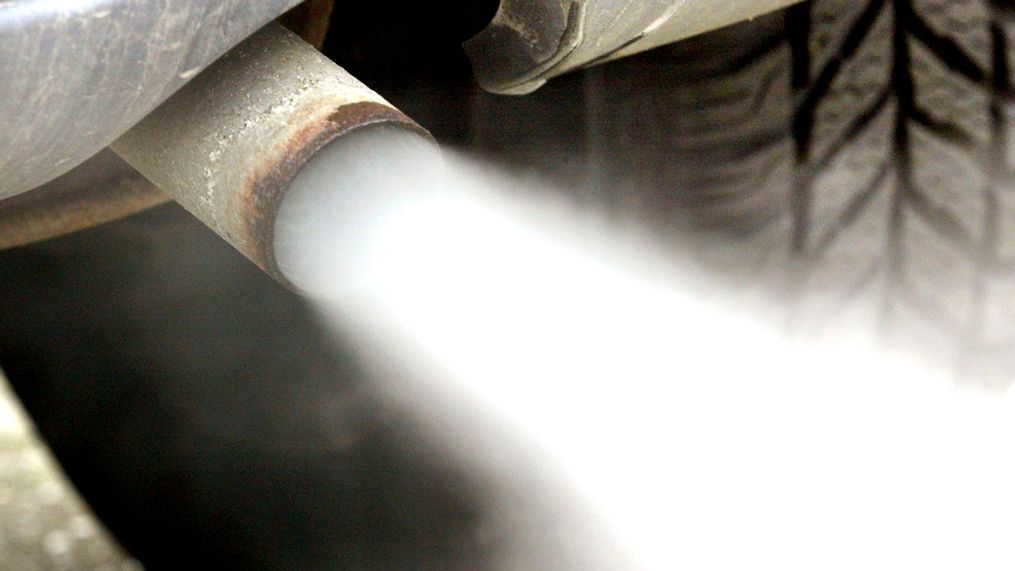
pixel 848 158
pixel 902 195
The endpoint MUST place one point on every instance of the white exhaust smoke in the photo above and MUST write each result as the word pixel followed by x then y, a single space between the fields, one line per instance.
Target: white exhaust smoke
pixel 632 417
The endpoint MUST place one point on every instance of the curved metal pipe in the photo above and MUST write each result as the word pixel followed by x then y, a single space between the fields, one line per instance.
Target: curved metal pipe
pixel 102 189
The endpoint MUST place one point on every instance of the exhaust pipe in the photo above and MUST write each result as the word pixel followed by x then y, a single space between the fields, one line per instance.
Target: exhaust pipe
pixel 229 144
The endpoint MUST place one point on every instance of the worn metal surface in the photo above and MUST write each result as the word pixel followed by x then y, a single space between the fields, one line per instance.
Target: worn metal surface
pixel 529 41
pixel 76 74
pixel 104 188
pixel 252 120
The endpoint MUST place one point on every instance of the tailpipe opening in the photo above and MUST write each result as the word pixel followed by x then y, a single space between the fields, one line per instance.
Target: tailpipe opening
pixel 279 151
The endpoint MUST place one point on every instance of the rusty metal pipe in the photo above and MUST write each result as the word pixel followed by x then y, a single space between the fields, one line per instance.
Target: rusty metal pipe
pixel 228 145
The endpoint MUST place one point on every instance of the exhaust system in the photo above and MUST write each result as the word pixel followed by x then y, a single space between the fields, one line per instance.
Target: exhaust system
pixel 229 144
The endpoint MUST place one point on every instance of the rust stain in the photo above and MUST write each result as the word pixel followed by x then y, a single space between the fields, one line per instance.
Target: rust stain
pixel 266 186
